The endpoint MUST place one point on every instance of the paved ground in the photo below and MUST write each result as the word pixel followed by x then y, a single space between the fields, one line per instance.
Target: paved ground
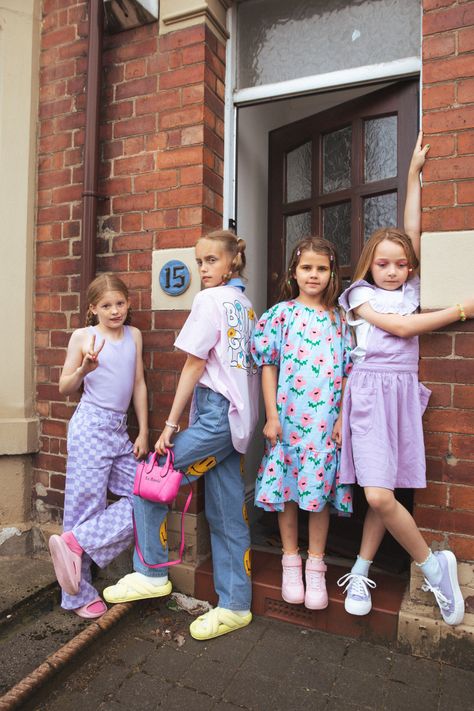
pixel 149 661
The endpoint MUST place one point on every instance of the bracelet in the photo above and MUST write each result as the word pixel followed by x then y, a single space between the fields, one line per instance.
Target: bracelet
pixel 176 428
pixel 462 315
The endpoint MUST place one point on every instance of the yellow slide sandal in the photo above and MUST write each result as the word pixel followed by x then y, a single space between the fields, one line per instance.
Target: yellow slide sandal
pixel 217 622
pixel 134 587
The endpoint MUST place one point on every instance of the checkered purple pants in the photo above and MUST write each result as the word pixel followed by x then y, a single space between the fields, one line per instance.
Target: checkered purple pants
pixel 100 458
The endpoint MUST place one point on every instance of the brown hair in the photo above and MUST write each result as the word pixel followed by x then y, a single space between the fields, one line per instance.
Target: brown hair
pixel 289 286
pixel 234 246
pixel 96 290
pixel 366 258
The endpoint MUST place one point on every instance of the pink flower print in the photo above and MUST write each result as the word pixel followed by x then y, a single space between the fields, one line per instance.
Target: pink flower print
pixel 288 460
pixel 294 473
pixel 311 447
pixel 329 339
pixel 291 410
pixel 264 341
pixel 271 470
pixel 261 325
pixel 300 382
pixel 303 483
pixel 329 456
pixel 282 397
pixel 329 372
pixel 280 482
pixel 304 324
pixel 276 321
pixel 327 487
pixel 322 426
pixel 303 457
pixel 313 505
pixel 306 419
pixel 282 318
pixel 320 474
pixel 260 469
pixel 314 333
pixel 337 382
pixel 331 399
pixel 315 394
pixel 338 331
pixel 296 313
pixel 335 358
pixel 263 498
pixel 294 438
pixel 286 493
pixel 288 347
pixel 274 354
pixel 320 360
pixel 289 368
pixel 337 478
pixel 347 498
pixel 253 349
pixel 302 352
pixel 349 368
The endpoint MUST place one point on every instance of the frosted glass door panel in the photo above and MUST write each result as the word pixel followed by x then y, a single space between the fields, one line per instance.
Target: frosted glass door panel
pixel 379 211
pixel 380 159
pixel 297 227
pixel 280 40
pixel 298 173
pixel 337 160
pixel 337 229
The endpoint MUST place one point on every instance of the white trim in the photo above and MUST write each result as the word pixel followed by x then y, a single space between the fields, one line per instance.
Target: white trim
pixel 230 121
pixel 331 80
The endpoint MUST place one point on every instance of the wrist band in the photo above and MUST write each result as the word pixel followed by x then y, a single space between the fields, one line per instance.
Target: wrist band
pixel 174 427
pixel 462 315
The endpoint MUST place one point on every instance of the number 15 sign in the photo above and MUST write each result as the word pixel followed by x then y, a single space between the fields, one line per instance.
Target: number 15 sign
pixel 174 277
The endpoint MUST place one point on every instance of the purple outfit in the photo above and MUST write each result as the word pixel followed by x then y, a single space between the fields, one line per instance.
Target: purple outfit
pixel 382 435
pixel 100 458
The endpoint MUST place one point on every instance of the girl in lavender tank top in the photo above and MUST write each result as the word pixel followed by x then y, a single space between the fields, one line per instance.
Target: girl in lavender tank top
pixel 101 456
pixel 382 435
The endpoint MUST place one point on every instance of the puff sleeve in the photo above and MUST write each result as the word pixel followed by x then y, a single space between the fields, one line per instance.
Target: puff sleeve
pixel 267 337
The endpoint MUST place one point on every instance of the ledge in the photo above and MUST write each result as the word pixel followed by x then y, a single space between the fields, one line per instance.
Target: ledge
pixel 19 435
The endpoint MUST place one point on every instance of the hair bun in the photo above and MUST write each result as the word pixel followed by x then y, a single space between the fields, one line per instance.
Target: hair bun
pixel 241 244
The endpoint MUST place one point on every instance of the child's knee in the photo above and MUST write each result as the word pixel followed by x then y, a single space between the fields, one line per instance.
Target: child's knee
pixel 379 500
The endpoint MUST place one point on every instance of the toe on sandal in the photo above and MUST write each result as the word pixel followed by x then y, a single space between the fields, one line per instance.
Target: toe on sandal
pixel 217 622
pixel 133 587
pixel 67 565
pixel 86 612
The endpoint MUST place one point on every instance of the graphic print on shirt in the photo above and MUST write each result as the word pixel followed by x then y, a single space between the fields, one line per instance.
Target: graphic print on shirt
pixel 241 323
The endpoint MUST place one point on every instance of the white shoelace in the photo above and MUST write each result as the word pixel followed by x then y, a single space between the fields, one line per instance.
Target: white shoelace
pixel 314 580
pixel 359 584
pixel 441 599
pixel 292 574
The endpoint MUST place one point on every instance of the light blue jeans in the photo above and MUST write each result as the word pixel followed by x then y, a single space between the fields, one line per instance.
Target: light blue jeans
pixel 208 436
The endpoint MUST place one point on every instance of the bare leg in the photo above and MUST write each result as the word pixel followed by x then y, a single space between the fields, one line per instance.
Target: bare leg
pixel 288 523
pixel 372 535
pixel 318 531
pixel 398 521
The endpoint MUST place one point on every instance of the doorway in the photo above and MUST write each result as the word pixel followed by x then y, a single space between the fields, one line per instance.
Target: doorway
pixel 337 169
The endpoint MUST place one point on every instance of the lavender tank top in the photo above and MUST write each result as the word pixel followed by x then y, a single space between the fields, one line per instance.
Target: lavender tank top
pixel 111 385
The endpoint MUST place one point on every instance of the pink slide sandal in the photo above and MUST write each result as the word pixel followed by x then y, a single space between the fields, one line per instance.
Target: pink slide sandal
pixel 67 565
pixel 94 608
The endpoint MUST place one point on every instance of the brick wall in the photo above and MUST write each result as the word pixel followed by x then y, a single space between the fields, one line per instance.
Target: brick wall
pixel 445 510
pixel 161 175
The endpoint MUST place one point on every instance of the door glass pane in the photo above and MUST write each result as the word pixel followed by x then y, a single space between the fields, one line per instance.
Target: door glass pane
pixel 297 227
pixel 279 40
pixel 298 173
pixel 337 229
pixel 337 152
pixel 380 149
pixel 379 211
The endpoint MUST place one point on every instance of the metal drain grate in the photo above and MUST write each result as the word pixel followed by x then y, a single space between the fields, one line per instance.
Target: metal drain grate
pixel 283 610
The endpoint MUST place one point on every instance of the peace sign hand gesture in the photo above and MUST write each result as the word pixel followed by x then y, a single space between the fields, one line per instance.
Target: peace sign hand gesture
pixel 90 360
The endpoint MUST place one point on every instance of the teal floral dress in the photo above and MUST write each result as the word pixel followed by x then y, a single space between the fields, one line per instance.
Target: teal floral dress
pixel 311 348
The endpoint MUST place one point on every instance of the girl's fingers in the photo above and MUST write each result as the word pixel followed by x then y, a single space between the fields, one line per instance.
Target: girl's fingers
pixel 91 349
pixel 96 353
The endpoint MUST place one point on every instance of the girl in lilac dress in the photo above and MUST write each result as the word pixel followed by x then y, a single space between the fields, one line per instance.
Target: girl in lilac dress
pixel 303 345
pixel 382 434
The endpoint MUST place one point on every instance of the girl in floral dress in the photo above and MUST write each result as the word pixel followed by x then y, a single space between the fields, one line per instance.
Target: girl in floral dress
pixel 303 345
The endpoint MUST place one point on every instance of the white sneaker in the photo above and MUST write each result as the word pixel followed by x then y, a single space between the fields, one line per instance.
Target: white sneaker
pixel 358 600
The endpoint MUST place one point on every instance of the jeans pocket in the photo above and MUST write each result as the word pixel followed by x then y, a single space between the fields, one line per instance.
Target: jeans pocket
pixel 362 412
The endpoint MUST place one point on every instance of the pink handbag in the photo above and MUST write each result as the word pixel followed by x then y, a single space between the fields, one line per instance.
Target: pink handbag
pixel 160 484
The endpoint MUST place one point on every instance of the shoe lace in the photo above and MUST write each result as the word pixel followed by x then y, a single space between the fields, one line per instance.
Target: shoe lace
pixel 440 597
pixel 292 574
pixel 359 584
pixel 314 580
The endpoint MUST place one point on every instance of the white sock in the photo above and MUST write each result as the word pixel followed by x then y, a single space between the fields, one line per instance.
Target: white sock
pixel 241 613
pixel 155 581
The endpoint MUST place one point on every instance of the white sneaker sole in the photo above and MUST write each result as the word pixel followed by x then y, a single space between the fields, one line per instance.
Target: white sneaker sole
pixel 356 607
pixel 457 615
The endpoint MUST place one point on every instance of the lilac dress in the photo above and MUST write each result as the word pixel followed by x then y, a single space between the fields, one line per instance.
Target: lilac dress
pixel 382 435
pixel 312 353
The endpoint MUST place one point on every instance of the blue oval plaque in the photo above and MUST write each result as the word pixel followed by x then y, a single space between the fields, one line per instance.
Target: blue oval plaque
pixel 175 277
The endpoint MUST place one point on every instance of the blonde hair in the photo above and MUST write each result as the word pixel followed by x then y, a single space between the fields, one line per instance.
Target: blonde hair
pixel 392 234
pixel 289 286
pixel 235 248
pixel 97 288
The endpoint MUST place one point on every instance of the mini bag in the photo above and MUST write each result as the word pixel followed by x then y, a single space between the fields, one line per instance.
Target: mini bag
pixel 161 485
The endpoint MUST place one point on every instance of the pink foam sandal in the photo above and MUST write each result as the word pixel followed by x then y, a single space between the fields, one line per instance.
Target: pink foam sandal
pixel 67 565
pixel 94 608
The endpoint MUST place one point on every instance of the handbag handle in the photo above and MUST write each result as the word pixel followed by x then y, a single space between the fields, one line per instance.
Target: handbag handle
pixel 169 461
pixel 181 545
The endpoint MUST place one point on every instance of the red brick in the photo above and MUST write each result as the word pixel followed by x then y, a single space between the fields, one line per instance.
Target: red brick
pixel 465 192
pixel 130 166
pixel 193 94
pixel 186 117
pixel 180 157
pixel 461 497
pixel 439 45
pixel 180 197
pixel 133 145
pixel 440 395
pixel 58 37
pixel 139 126
pixel 140 261
pixel 117 186
pixel 464 346
pixel 182 38
pixel 118 110
pixel 52 249
pixel 462 547
pixel 465 91
pixel 136 87
pixel 462 446
pixel 133 203
pixel 452 218
pixel 449 420
pixel 182 77
pixel 126 51
pixel 54 427
pixel 54 178
pixel 436 344
pixel 460 16
pixel 51 463
pixel 442 520
pixel 438 96
pixel 449 120
pixel 130 223
pixel 68 194
pixel 466 39
pixel 433 495
pixel 466 142
pixel 135 69
pixel 53 214
pixel 463 396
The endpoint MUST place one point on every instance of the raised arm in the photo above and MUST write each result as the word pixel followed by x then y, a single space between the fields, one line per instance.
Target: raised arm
pixel 414 324
pixel 412 215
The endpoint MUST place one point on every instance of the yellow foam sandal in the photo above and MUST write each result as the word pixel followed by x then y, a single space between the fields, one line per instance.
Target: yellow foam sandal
pixel 217 622
pixel 133 587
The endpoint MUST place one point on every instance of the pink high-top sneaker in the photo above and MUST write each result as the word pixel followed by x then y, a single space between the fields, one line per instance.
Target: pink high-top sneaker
pixel 292 588
pixel 316 597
